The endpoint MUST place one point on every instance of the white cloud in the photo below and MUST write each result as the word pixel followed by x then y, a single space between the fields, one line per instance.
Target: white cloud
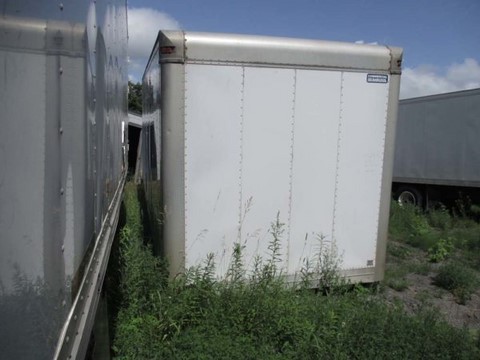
pixel 429 80
pixel 143 27
pixel 361 42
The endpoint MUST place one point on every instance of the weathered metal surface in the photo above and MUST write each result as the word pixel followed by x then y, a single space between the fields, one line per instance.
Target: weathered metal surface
pixel 63 97
pixel 283 52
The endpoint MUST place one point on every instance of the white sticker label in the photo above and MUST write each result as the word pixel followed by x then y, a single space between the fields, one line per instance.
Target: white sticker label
pixel 377 78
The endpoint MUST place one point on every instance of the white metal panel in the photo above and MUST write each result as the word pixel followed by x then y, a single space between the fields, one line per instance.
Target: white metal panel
pixel 22 149
pixel 317 108
pixel 212 162
pixel 266 161
pixel 53 84
pixel 360 164
pixel 77 218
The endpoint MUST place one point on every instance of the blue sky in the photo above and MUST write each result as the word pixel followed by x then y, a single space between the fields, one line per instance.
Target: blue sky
pixel 441 39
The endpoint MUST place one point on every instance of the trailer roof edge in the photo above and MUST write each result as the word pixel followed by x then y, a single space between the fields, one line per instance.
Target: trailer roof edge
pixel 179 47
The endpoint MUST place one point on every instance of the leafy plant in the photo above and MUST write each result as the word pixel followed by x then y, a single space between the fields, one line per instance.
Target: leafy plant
pixel 254 315
pixel 395 277
pixel 441 250
pixel 408 224
pixel 323 271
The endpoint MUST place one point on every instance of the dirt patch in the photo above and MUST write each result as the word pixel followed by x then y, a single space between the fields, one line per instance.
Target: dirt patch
pixel 421 292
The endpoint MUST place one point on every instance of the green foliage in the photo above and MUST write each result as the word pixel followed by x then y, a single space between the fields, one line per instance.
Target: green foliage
pixel 253 315
pixel 395 277
pixel 437 231
pixel 135 97
pixel 421 268
pixel 439 218
pixel 408 224
pixel 328 264
pixel 397 250
pixel 464 207
pixel 440 250
pixel 445 236
pixel 31 315
pixel 460 280
pixel 397 283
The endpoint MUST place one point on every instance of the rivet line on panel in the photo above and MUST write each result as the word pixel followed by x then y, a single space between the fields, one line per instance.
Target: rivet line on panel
pixel 339 136
pixel 292 139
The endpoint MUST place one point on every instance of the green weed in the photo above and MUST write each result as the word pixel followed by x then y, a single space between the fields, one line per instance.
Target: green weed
pixel 399 251
pixel 395 277
pixel 421 268
pixel 440 250
pixel 398 284
pixel 254 315
pixel 439 218
pixel 409 225
pixel 458 279
pixel 438 232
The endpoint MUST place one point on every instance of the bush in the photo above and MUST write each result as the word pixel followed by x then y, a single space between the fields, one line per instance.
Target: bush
pixel 397 283
pixel 408 224
pixel 398 250
pixel 255 316
pixel 438 232
pixel 460 280
pixel 421 268
pixel 395 276
pixel 441 250
pixel 439 218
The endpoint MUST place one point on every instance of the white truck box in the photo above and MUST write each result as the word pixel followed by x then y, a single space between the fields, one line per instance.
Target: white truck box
pixel 437 150
pixel 239 128
pixel 63 98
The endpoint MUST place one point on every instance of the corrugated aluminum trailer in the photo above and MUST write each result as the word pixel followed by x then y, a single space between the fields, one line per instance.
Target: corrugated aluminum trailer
pixel 240 128
pixel 437 150
pixel 63 97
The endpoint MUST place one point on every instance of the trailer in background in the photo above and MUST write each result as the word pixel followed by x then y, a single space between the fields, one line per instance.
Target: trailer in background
pixel 238 129
pixel 134 144
pixel 63 97
pixel 437 149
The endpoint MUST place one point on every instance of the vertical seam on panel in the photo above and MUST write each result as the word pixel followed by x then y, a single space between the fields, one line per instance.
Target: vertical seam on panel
pixel 339 135
pixel 185 148
pixel 292 143
pixel 240 167
pixel 58 81
pixel 385 124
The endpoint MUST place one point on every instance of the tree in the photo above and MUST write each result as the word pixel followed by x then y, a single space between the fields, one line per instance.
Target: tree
pixel 135 97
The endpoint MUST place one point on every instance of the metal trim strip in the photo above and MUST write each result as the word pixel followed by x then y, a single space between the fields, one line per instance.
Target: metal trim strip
pixel 75 335
pixel 386 185
pixel 249 49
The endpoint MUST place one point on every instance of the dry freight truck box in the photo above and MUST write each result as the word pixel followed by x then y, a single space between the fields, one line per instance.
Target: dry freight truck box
pixel 238 129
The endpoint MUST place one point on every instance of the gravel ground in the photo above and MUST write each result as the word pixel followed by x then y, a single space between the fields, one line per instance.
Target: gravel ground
pixel 422 292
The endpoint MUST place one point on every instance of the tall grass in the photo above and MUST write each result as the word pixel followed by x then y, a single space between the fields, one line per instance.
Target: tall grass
pixel 436 229
pixel 452 239
pixel 253 315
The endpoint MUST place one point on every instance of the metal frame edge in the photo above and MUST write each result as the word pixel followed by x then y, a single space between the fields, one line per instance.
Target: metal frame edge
pixel 75 334
pixel 173 182
pixel 386 186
